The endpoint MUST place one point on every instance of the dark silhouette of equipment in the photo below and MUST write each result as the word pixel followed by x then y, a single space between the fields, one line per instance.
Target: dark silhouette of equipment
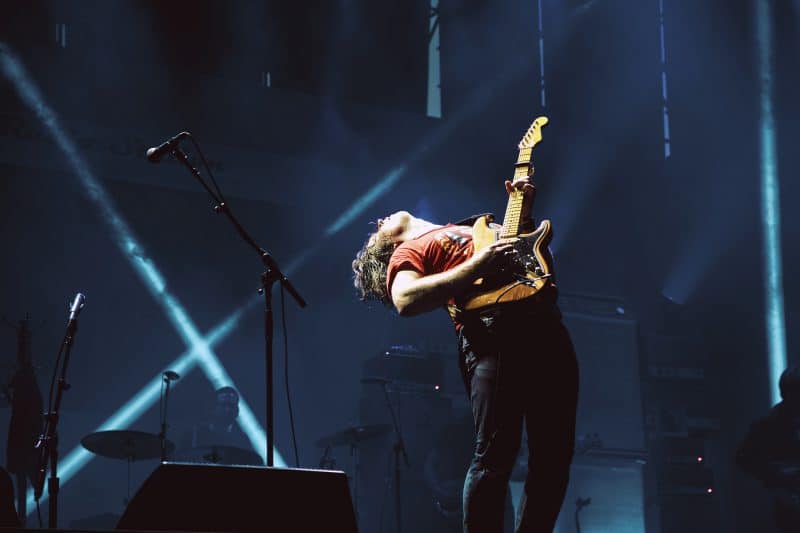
pixel 192 497
pixel 25 425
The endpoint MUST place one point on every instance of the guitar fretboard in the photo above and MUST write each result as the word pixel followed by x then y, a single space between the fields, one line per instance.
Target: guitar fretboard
pixel 511 221
pixel 513 214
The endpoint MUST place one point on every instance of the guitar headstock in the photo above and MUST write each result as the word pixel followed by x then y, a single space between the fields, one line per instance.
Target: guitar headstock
pixel 533 136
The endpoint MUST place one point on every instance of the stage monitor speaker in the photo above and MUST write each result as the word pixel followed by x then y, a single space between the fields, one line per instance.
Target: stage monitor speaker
pixel 199 497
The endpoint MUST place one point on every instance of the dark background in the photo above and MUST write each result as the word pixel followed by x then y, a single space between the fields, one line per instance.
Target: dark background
pixel 676 240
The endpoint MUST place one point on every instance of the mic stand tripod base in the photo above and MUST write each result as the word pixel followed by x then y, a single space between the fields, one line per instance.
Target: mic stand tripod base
pixel 399 450
pixel 53 484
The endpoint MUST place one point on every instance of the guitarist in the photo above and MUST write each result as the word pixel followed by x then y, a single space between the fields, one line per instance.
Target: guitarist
pixel 517 360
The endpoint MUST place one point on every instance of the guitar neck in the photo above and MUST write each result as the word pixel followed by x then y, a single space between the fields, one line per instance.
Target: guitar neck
pixel 511 222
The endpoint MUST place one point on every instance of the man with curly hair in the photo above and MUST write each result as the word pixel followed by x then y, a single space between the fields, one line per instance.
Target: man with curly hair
pixel 517 360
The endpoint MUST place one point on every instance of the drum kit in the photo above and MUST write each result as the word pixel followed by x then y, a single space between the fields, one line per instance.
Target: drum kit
pixel 133 446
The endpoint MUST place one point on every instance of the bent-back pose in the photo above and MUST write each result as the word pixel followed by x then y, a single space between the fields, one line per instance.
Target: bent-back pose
pixel 516 359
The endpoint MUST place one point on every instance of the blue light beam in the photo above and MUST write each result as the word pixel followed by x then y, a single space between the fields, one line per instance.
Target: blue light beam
pixel 126 240
pixel 770 206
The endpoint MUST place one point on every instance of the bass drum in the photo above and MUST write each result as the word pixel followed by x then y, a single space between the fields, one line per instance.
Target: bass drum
pixel 445 468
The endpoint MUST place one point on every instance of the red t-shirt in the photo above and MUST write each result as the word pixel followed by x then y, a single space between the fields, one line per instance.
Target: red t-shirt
pixel 435 251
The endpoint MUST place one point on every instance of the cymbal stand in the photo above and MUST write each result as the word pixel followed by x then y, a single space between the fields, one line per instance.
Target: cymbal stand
pixel 580 503
pixel 127 499
pixel 399 449
pixel 167 378
pixel 354 453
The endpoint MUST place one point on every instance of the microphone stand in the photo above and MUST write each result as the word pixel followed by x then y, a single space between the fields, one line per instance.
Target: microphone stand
pixel 271 274
pixel 48 440
pixel 398 449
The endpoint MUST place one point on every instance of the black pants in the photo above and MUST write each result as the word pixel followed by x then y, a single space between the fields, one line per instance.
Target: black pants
pixel 519 372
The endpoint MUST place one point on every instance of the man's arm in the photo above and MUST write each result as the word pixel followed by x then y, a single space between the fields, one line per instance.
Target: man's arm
pixel 413 293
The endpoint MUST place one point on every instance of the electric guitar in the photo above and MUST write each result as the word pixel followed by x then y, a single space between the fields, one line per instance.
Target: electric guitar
pixel 533 269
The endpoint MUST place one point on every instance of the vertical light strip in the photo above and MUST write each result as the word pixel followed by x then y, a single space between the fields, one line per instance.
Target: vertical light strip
pixel 541 57
pixel 770 205
pixel 665 108
pixel 61 35
pixel 434 64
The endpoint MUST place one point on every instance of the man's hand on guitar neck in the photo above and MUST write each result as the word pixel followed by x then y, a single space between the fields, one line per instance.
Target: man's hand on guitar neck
pixel 525 185
pixel 521 184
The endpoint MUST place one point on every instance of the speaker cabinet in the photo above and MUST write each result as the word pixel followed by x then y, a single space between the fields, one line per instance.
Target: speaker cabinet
pixel 611 490
pixel 610 401
pixel 198 497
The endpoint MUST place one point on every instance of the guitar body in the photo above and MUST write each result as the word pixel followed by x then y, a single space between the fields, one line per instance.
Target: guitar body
pixel 531 273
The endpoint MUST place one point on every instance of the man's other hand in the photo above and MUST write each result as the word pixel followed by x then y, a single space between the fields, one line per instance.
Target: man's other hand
pixel 497 256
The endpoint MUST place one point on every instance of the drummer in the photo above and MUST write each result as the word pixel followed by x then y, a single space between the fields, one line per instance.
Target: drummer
pixel 220 429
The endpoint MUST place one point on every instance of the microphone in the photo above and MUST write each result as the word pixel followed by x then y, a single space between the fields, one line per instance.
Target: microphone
pixel 377 380
pixel 77 305
pixel 155 153
pixel 169 375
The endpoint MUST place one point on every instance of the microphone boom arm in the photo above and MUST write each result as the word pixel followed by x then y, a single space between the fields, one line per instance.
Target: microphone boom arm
pixel 271 274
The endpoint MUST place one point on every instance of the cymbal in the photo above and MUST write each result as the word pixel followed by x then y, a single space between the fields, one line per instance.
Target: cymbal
pixel 221 455
pixel 353 435
pixel 124 444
